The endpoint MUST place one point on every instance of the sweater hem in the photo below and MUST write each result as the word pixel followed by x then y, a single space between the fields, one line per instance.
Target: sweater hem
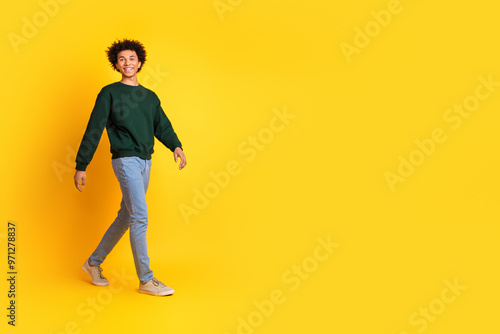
pixel 125 154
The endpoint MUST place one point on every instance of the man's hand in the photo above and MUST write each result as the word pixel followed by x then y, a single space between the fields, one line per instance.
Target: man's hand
pixel 80 177
pixel 179 154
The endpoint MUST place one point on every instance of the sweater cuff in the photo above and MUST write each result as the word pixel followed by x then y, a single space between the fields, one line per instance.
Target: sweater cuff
pixel 81 167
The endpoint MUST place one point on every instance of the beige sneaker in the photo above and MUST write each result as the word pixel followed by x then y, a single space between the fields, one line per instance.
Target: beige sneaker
pixel 95 274
pixel 155 288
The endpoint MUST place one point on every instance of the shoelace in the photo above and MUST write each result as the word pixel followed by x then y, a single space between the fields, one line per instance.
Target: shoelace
pixel 158 283
pixel 100 273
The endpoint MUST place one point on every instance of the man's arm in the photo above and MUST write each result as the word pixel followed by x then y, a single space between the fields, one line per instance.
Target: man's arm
pixel 167 136
pixel 91 138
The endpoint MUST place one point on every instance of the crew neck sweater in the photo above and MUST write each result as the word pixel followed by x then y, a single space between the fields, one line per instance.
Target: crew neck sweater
pixel 133 117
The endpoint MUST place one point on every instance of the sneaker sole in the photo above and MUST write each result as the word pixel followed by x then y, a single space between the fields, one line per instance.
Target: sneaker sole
pixel 87 272
pixel 156 294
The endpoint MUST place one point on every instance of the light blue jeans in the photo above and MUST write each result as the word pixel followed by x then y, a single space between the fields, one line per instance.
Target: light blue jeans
pixel 133 175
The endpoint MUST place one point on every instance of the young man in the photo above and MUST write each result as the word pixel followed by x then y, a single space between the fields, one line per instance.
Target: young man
pixel 133 117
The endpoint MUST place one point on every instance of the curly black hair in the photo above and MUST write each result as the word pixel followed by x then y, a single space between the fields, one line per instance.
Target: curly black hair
pixel 126 44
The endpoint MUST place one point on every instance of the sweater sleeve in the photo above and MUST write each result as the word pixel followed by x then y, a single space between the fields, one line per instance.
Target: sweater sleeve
pixel 93 133
pixel 164 131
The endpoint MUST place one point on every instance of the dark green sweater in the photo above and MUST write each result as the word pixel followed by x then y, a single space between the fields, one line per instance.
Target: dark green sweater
pixel 133 117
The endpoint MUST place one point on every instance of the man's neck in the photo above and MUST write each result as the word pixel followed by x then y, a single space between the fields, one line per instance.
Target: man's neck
pixel 130 81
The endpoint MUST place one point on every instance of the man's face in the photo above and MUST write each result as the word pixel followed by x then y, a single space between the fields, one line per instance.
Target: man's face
pixel 127 63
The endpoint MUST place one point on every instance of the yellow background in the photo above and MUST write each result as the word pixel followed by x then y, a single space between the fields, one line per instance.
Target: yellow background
pixel 322 176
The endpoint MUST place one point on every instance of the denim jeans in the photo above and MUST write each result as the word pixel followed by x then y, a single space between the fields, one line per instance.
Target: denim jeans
pixel 133 175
